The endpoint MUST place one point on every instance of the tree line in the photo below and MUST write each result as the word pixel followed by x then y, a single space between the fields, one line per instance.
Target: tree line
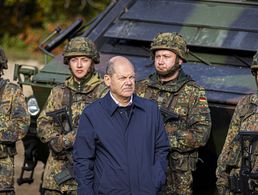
pixel 25 22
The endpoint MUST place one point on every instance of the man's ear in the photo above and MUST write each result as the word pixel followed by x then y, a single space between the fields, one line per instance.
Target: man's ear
pixel 107 80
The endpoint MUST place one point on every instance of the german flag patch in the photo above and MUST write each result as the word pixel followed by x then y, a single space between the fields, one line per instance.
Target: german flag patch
pixel 202 99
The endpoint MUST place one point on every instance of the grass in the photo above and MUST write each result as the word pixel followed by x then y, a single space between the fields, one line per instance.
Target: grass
pixel 23 54
pixel 15 48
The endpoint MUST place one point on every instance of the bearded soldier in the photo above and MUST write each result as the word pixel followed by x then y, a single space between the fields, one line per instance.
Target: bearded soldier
pixel 245 118
pixel 174 91
pixel 14 124
pixel 58 122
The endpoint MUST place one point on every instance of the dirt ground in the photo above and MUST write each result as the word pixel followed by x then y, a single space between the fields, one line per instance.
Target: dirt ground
pixel 28 189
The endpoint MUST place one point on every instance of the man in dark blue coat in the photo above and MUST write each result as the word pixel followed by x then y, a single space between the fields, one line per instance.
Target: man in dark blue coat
pixel 121 146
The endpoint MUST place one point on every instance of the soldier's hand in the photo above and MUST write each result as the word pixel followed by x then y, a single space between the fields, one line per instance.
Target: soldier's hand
pixel 222 183
pixel 68 139
pixel 62 142
pixel 221 190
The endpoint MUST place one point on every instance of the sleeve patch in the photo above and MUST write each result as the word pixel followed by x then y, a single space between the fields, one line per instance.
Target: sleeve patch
pixel 202 99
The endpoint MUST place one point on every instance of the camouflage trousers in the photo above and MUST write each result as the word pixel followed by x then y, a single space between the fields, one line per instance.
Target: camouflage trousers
pixel 7 176
pixel 55 192
pixel 179 183
pixel 7 193
pixel 226 192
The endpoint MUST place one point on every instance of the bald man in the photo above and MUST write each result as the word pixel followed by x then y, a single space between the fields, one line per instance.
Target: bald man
pixel 121 146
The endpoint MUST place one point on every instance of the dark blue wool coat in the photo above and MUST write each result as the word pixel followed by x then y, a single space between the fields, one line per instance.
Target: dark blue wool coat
pixel 115 159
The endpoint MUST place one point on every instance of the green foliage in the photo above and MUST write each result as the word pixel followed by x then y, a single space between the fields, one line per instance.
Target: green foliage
pixel 24 23
pixel 8 41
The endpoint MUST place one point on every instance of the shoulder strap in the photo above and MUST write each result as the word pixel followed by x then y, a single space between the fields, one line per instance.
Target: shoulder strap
pixel 2 87
pixel 174 96
pixel 67 100
pixel 248 107
pixel 67 97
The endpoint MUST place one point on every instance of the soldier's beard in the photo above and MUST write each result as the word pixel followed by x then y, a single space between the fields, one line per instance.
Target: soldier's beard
pixel 170 72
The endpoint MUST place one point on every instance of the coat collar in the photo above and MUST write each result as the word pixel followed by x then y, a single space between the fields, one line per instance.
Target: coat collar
pixel 85 86
pixel 110 105
pixel 171 86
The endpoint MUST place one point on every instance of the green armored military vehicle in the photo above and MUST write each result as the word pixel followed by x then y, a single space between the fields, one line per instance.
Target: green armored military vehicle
pixel 222 37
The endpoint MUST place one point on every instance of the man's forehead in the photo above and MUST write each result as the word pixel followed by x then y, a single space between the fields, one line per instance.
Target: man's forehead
pixel 125 68
pixel 125 74
pixel 164 51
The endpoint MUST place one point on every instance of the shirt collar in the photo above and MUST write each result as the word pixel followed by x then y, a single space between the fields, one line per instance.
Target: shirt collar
pixel 111 106
pixel 117 103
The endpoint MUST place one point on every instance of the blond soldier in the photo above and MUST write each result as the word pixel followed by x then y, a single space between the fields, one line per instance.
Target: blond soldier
pixel 67 102
pixel 244 119
pixel 14 123
pixel 174 91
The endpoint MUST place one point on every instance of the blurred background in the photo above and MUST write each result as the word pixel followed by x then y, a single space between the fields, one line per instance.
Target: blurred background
pixel 24 23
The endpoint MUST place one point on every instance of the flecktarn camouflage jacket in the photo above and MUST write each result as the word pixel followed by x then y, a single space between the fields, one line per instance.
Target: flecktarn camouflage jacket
pixel 75 97
pixel 245 118
pixel 14 123
pixel 184 97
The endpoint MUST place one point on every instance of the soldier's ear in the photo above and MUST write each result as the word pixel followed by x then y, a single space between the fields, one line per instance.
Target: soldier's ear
pixel 107 80
pixel 180 61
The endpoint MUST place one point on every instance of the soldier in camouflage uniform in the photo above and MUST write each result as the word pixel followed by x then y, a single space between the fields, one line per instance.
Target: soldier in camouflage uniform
pixel 244 118
pixel 79 90
pixel 175 91
pixel 14 120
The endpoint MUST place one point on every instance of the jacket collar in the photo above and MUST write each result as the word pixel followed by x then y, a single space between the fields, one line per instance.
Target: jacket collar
pixel 85 86
pixel 110 105
pixel 254 99
pixel 171 86
pixel 128 104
